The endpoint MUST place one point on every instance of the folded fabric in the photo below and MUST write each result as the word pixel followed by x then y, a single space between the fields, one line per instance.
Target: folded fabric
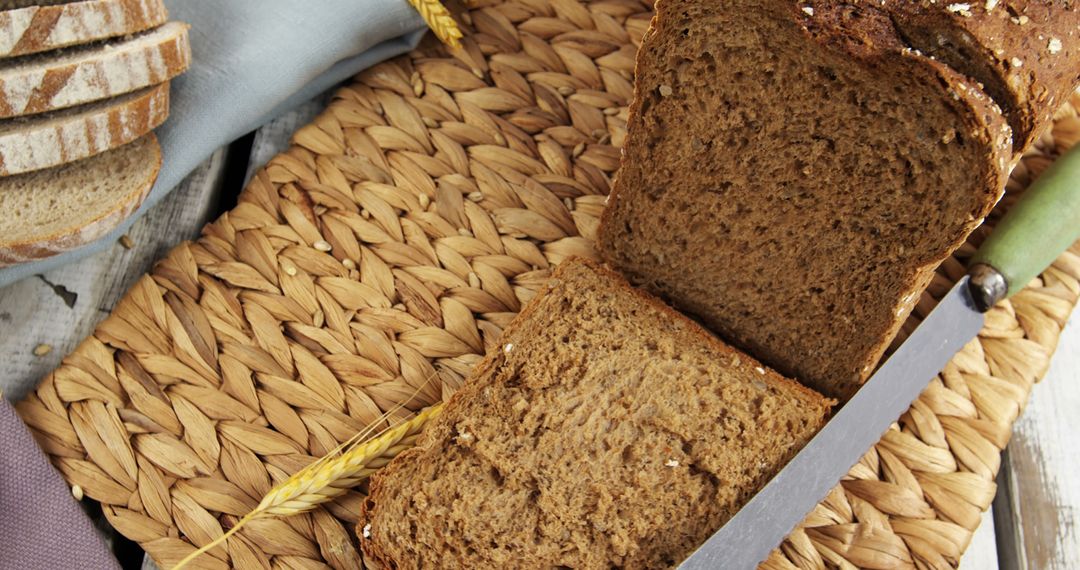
pixel 42 525
pixel 253 60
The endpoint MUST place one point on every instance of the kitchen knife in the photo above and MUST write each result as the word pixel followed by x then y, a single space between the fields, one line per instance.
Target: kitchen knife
pixel 1041 225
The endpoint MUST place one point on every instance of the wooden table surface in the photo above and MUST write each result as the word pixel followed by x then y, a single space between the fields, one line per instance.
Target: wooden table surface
pixel 1034 524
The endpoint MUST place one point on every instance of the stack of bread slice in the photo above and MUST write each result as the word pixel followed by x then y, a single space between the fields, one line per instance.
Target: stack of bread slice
pixel 82 86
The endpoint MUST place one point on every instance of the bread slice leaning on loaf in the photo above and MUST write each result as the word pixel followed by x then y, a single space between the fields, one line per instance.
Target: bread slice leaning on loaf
pixel 793 174
pixel 37 28
pixel 41 141
pixel 51 211
pixel 50 81
pixel 607 431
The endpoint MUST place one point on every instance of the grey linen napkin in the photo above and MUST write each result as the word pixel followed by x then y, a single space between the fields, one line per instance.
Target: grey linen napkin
pixel 253 60
pixel 41 525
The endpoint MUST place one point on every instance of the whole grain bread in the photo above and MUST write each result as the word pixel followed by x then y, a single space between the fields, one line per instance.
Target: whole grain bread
pixel 793 174
pixel 1024 53
pixel 51 211
pixel 608 431
pixel 46 82
pixel 39 28
pixel 41 141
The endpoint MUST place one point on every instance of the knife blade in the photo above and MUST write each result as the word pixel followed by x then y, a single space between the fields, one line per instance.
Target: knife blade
pixel 763 523
pixel 1044 223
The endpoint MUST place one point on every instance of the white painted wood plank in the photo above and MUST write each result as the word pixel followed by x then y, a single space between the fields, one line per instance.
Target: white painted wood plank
pixel 981 554
pixel 60 308
pixel 148 564
pixel 1042 482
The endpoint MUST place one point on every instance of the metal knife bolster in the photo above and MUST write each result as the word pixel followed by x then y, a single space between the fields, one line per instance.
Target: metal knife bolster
pixel 763 523
pixel 987 286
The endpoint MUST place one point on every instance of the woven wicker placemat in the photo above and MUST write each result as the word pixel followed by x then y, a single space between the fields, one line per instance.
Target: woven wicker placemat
pixel 390 244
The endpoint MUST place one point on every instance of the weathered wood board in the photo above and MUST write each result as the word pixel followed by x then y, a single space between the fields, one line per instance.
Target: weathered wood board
pixel 981 554
pixel 1041 475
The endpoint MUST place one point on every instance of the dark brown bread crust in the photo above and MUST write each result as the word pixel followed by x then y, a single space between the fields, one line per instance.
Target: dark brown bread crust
pixel 441 429
pixel 863 34
pixel 1025 53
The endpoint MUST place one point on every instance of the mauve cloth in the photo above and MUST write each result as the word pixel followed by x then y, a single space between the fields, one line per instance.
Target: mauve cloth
pixel 41 525
pixel 252 60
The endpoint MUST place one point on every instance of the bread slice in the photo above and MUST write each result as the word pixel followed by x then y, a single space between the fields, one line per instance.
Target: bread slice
pixel 38 28
pixel 793 174
pixel 50 139
pixel 45 82
pixel 1026 54
pixel 51 211
pixel 608 431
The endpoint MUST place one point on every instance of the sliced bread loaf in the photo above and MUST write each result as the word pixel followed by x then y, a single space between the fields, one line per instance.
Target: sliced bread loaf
pixel 793 174
pixel 608 432
pixel 50 139
pixel 1025 53
pixel 51 211
pixel 40 28
pixel 45 82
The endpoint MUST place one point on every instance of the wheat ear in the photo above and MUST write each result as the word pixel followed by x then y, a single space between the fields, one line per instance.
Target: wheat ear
pixel 440 21
pixel 332 475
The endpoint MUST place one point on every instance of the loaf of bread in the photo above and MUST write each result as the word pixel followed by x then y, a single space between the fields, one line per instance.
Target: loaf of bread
pixel 608 431
pixel 49 139
pixel 1024 53
pixel 49 81
pixel 38 28
pixel 54 210
pixel 793 173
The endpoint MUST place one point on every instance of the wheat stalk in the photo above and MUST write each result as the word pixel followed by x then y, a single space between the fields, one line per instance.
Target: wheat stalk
pixel 440 21
pixel 332 475
pixel 328 479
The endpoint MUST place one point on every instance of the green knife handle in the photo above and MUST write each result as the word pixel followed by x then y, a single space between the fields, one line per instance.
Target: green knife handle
pixel 1041 225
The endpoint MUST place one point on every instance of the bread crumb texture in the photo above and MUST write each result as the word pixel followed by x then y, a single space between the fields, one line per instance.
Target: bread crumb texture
pixel 616 433
pixel 57 209
pixel 803 177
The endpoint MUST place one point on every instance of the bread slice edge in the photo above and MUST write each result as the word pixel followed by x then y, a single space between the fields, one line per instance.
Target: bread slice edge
pixel 67 135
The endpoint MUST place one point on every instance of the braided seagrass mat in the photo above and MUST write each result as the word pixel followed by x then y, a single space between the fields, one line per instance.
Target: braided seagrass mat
pixel 391 244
